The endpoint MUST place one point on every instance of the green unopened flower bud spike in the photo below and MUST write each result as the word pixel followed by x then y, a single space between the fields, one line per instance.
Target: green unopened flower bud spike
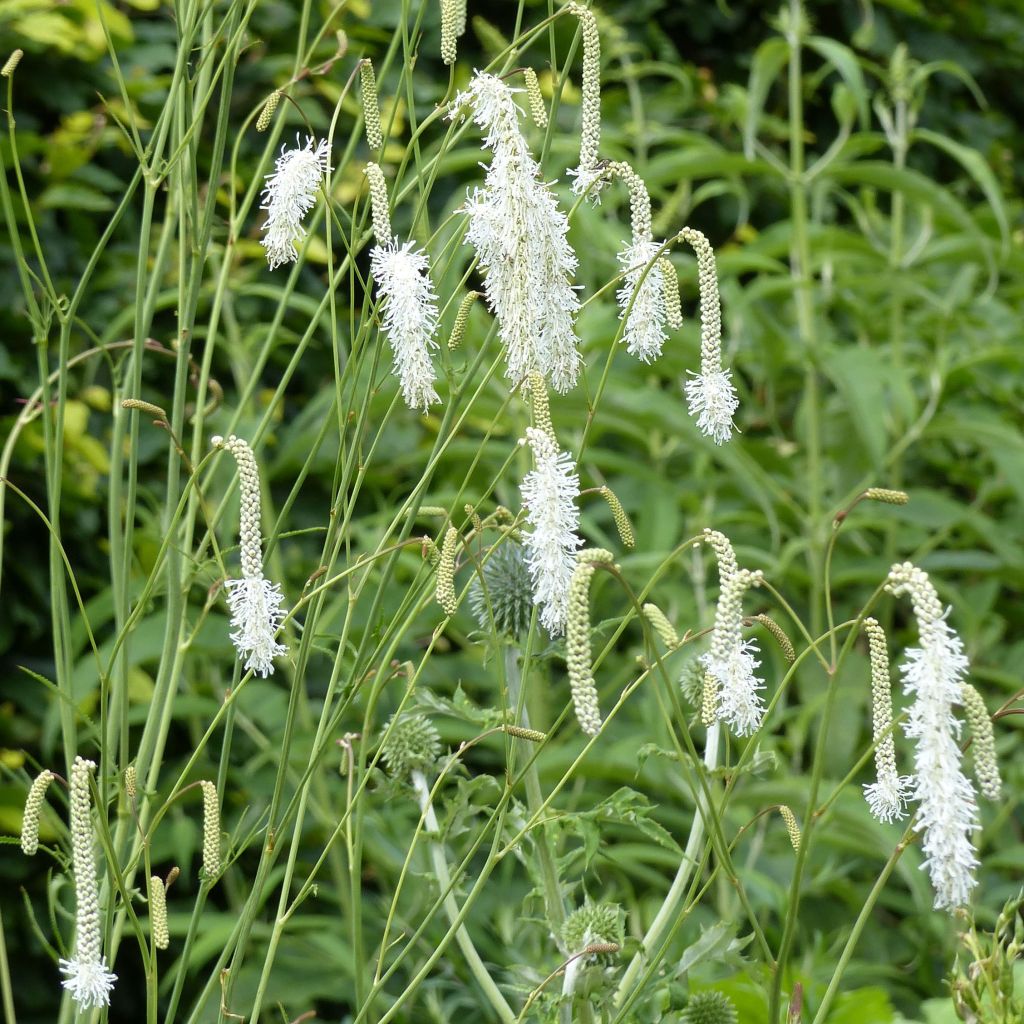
pixel 158 912
pixel 461 319
pixel 33 812
pixel 87 977
pixel 710 394
pixel 785 644
pixel 371 106
pixel 621 520
pixel 11 64
pixel 983 744
pixel 444 591
pixel 577 640
pixel 254 602
pixel 211 831
pixel 267 113
pixel 792 828
pixel 538 111
pixel 670 286
pixel 660 624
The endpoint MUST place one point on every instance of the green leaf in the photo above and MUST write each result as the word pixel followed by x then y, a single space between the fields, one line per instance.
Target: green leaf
pixel 974 164
pixel 854 371
pixel 844 60
pixel 770 58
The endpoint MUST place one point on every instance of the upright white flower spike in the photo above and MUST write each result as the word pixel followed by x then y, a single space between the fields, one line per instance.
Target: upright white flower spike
pixel 589 176
pixel 710 394
pixel 254 602
pixel 290 193
pixel 934 675
pixel 550 492
pixel 731 689
pixel 519 233
pixel 87 977
pixel 409 301
pixel 887 797
pixel 643 292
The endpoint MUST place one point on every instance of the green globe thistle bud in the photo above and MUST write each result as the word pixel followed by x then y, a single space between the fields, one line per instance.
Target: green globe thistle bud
pixel 411 744
pixel 593 924
pixel 691 682
pixel 709 1008
pixel 507 587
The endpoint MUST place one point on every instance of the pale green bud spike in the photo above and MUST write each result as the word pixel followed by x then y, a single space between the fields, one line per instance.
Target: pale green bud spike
pixel 541 407
pixel 983 746
pixel 33 812
pixel 639 200
pixel 211 831
pixel 785 644
pixel 371 106
pixel 670 284
pixel 449 35
pixel 577 640
pixel 660 624
pixel 445 588
pixel 158 912
pixel 792 828
pixel 461 319
pixel 538 111
pixel 267 113
pixel 886 496
pixel 379 203
pixel 622 523
pixel 590 130
pixel 11 63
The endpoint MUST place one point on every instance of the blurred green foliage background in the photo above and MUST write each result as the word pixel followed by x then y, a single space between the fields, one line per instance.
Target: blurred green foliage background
pixel 917 349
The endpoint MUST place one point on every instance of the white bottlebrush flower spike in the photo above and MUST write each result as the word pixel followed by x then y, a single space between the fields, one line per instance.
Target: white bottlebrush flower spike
pixel 710 394
pixel 290 193
pixel 644 333
pixel 550 492
pixel 410 317
pixel 731 687
pixel 934 674
pixel 254 602
pixel 519 233
pixel 87 977
pixel 887 798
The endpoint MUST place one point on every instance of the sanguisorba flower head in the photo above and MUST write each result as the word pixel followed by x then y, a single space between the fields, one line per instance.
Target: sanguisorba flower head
pixel 731 689
pixel 409 301
pixel 934 675
pixel 642 294
pixel 254 602
pixel 290 193
pixel 710 394
pixel 87 977
pixel 519 233
pixel 550 492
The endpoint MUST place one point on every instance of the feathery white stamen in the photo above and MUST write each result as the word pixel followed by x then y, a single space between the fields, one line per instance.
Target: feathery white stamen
pixel 290 193
pixel 410 317
pixel 519 233
pixel 87 977
pixel 550 492
pixel 710 394
pixel 644 333
pixel 731 688
pixel 254 602
pixel 934 674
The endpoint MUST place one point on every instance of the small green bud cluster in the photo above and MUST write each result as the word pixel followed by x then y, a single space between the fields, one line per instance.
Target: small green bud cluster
pixel 411 744
pixel 593 924
pixel 709 1007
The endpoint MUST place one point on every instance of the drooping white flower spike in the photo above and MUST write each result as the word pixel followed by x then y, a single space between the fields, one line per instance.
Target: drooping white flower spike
pixel 519 233
pixel 254 602
pixel 290 193
pixel 710 394
pixel 87 977
pixel 642 297
pixel 409 301
pixel 731 689
pixel 934 675
pixel 589 176
pixel 550 492
pixel 887 797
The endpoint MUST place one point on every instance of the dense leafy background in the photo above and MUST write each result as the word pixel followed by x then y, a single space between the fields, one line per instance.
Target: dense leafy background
pixel 927 343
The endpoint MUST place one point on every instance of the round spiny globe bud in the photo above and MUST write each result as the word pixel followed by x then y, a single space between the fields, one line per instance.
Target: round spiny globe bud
pixel 593 924
pixel 411 744
pixel 506 592
pixel 709 1008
